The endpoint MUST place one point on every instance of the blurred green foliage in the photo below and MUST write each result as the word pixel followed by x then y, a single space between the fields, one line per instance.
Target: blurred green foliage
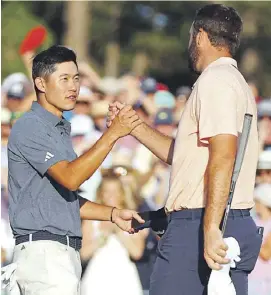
pixel 160 29
pixel 17 20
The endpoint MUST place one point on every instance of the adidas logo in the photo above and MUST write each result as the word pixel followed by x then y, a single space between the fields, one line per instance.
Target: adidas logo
pixel 48 156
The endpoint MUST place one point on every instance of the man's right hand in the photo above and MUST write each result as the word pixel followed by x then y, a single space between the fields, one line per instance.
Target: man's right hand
pixel 125 120
pixel 113 110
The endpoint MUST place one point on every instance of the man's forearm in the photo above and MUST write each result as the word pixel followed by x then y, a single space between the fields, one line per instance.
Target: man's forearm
pixel 94 211
pixel 159 144
pixel 219 173
pixel 82 168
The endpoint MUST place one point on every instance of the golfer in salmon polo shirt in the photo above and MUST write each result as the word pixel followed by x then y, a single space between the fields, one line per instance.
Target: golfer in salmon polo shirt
pixel 202 158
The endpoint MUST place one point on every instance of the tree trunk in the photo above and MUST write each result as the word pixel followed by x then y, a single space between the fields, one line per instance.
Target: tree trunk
pixel 78 20
pixel 112 58
pixel 112 51
pixel 140 64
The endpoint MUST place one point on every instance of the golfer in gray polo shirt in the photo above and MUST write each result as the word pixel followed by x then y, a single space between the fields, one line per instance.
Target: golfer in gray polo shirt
pixel 44 175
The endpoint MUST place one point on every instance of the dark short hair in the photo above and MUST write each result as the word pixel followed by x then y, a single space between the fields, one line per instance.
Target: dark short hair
pixel 222 24
pixel 44 63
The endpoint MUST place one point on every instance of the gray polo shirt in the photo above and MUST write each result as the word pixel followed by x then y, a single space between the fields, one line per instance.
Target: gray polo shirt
pixel 37 141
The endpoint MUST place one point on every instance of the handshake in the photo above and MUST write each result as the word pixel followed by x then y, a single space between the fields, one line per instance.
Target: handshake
pixel 122 119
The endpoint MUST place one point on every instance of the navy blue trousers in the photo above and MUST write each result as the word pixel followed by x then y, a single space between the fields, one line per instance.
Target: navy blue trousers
pixel 180 268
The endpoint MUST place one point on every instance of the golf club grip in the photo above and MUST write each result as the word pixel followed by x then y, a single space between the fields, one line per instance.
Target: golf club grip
pixel 238 164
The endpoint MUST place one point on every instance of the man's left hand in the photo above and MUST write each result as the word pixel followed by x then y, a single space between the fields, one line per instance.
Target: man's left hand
pixel 123 219
pixel 215 248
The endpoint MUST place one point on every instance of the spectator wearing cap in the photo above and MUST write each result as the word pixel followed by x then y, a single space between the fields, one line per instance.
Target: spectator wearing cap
pixel 149 88
pixel 14 79
pixel 264 123
pixel 112 87
pixel 182 95
pixel 260 279
pixel 98 112
pixel 81 127
pixel 133 93
pixel 164 99
pixel 85 97
pixel 163 121
pixel 162 86
pixel 15 97
pixel 83 102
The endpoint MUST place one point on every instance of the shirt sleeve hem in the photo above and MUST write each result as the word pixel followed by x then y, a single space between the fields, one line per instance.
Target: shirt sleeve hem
pixel 204 137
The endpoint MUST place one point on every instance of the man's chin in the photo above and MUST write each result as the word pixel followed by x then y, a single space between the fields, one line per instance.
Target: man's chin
pixel 69 107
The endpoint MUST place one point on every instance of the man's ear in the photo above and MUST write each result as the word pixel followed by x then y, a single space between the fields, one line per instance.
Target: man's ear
pixel 201 37
pixel 40 84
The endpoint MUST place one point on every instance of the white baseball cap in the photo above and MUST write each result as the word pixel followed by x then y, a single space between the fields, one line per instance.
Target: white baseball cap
pixel 111 85
pixel 14 79
pixel 262 193
pixel 85 94
pixel 264 108
pixel 264 161
pixel 81 125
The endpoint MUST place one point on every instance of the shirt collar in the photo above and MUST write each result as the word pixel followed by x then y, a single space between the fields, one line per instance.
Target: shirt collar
pixel 222 61
pixel 48 116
